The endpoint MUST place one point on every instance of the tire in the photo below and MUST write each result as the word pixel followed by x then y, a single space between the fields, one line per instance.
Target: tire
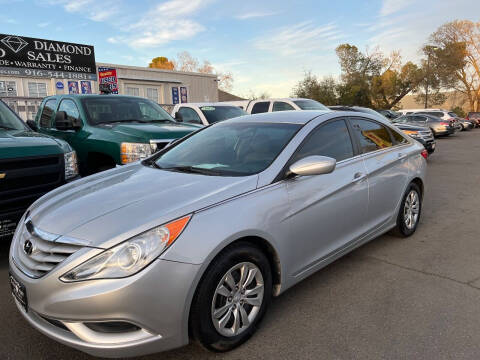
pixel 208 301
pixel 402 229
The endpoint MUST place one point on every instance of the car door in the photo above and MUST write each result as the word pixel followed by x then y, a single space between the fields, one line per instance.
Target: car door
pixel 327 212
pixel 387 168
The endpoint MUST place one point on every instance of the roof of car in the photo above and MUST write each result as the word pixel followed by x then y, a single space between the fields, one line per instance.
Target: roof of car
pixel 292 117
pixel 207 104
pixel 93 96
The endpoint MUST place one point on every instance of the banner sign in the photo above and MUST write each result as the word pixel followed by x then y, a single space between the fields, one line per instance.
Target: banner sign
pixel 183 94
pixel 24 56
pixel 86 87
pixel 108 76
pixel 73 87
pixel 175 98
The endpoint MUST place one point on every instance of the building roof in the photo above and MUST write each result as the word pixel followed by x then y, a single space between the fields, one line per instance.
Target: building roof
pixel 128 67
pixel 226 96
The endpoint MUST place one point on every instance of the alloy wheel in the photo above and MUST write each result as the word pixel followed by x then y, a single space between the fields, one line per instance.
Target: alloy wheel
pixel 411 209
pixel 237 299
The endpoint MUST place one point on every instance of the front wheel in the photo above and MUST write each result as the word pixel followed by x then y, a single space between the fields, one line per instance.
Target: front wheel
pixel 410 211
pixel 231 298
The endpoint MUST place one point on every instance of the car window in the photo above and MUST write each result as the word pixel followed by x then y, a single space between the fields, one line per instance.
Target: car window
pixel 452 114
pixel 70 109
pixel 215 114
pixel 260 107
pixel 332 140
pixel 229 148
pixel 282 106
pixel 398 138
pixel 419 118
pixel 9 120
pixel 47 112
pixel 189 115
pixel 432 113
pixel 307 104
pixel 371 135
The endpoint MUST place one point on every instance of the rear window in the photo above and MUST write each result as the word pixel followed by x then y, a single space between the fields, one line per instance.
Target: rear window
pixel 310 105
pixel 219 113
pixel 260 107
pixel 452 114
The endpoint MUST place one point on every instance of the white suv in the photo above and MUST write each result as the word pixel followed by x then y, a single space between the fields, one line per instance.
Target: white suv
pixel 283 104
pixel 205 113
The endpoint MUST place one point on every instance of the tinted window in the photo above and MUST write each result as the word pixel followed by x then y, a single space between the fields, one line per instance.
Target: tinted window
pixel 260 107
pixel 47 112
pixel 114 108
pixel 331 139
pixel 230 149
pixel 452 114
pixel 219 113
pixel 310 105
pixel 189 115
pixel 371 136
pixel 70 108
pixel 433 113
pixel 399 139
pixel 282 106
pixel 8 119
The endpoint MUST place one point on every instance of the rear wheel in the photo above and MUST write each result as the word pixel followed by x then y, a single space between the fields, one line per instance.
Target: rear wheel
pixel 232 298
pixel 410 211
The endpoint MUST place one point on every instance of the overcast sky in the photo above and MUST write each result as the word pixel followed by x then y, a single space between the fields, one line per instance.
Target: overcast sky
pixel 267 45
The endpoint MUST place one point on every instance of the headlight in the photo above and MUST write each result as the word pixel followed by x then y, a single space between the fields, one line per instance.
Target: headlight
pixel 71 165
pixel 129 257
pixel 412 133
pixel 130 152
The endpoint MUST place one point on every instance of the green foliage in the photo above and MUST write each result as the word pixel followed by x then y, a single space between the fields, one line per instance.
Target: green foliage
pixel 324 91
pixel 459 111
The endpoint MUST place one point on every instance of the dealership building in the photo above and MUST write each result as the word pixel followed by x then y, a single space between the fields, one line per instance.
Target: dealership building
pixel 31 69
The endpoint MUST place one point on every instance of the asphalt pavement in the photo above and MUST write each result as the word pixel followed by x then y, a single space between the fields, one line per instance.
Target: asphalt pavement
pixel 415 298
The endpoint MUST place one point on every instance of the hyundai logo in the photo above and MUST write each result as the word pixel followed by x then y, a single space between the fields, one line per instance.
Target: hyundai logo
pixel 28 247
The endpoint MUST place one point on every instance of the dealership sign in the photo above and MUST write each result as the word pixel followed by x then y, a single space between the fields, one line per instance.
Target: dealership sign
pixel 108 78
pixel 24 56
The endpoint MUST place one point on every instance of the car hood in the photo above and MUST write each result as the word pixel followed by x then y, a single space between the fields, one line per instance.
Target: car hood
pixel 109 207
pixel 24 143
pixel 153 130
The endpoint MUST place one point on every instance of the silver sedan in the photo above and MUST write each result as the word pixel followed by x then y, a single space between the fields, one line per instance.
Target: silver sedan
pixel 194 241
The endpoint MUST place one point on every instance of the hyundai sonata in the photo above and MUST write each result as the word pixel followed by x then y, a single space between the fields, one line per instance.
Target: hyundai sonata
pixel 193 241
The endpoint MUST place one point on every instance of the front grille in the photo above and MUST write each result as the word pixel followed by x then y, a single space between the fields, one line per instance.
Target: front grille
pixel 37 252
pixel 27 179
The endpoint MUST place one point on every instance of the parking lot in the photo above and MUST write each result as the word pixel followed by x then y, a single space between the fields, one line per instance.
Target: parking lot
pixel 393 298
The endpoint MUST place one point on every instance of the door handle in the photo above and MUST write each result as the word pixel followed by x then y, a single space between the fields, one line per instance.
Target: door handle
pixel 358 177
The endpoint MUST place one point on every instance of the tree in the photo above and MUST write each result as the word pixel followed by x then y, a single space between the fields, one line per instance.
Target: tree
pixel 161 62
pixel 186 62
pixel 430 91
pixel 262 95
pixel 457 58
pixel 324 91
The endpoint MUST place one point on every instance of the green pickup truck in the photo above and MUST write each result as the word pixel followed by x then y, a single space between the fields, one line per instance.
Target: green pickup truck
pixel 106 130
pixel 31 164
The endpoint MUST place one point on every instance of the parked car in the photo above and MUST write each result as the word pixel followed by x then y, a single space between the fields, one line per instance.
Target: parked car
pixel 467 125
pixel 475 117
pixel 194 240
pixel 31 164
pixel 205 113
pixel 440 113
pixel 390 114
pixel 438 126
pixel 274 105
pixel 421 134
pixel 108 130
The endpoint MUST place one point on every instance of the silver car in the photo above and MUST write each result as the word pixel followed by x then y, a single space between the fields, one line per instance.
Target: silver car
pixel 193 241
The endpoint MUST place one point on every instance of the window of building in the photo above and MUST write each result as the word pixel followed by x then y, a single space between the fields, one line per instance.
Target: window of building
pixel 282 106
pixel 189 115
pixel 133 91
pixel 47 112
pixel 38 90
pixel 371 135
pixel 260 107
pixel 152 94
pixel 331 139
pixel 8 88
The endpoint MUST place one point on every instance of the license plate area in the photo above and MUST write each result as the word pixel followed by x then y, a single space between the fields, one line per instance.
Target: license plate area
pixel 19 291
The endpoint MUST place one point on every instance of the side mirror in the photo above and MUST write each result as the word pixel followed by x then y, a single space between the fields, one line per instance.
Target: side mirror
pixel 178 117
pixel 63 122
pixel 32 125
pixel 313 165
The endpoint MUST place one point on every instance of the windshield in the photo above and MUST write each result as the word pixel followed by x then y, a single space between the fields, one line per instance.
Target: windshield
pixel 219 113
pixel 400 119
pixel 8 119
pixel 111 109
pixel 229 149
pixel 310 105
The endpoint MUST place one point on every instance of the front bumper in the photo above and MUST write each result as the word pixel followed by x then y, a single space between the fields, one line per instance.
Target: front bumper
pixel 155 302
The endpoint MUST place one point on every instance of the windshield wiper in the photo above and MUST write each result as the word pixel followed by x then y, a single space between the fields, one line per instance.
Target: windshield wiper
pixel 162 120
pixel 120 121
pixel 193 170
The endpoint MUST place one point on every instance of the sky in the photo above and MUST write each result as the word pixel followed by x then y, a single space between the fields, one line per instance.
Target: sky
pixel 267 45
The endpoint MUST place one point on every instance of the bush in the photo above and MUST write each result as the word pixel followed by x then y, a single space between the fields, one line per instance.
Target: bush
pixel 459 111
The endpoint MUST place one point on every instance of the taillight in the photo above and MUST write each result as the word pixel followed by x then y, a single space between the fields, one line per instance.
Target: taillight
pixel 425 154
pixel 445 123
